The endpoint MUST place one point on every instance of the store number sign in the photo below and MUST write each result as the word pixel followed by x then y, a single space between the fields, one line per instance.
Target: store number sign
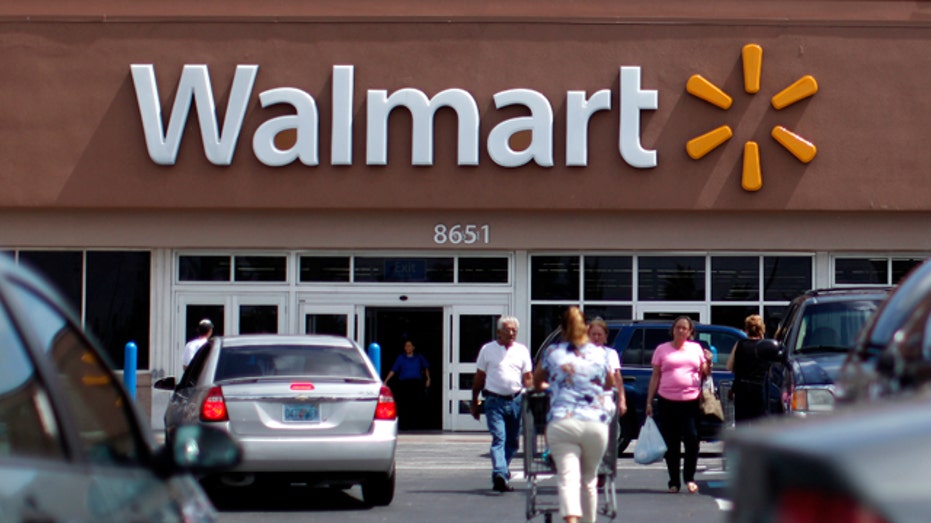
pixel 461 234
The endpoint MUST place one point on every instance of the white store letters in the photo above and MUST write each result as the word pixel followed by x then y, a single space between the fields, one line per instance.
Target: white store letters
pixel 220 142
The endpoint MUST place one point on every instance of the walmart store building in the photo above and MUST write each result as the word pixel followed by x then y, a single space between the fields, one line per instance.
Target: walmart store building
pixel 415 169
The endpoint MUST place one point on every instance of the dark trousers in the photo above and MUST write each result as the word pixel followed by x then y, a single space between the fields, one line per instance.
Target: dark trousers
pixel 678 423
pixel 409 396
pixel 748 401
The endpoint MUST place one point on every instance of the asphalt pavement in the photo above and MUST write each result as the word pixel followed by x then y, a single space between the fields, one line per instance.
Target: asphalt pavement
pixel 469 451
pixel 444 476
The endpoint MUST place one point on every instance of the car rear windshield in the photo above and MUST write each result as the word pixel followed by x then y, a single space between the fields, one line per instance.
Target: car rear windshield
pixel 833 326
pixel 290 360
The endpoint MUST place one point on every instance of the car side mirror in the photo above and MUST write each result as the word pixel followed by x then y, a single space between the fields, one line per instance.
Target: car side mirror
pixel 771 351
pixel 202 449
pixel 168 383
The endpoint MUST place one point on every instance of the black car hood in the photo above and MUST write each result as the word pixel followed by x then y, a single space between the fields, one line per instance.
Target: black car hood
pixel 818 368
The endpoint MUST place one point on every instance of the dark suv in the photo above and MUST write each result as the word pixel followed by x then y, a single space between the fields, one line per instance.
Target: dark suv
pixel 635 341
pixel 812 340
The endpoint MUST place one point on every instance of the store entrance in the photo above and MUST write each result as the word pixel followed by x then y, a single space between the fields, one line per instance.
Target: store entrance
pixel 391 327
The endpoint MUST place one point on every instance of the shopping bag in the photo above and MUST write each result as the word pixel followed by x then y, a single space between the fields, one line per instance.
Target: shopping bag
pixel 650 445
pixel 710 404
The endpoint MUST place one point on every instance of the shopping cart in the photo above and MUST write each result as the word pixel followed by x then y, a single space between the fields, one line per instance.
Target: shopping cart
pixel 542 495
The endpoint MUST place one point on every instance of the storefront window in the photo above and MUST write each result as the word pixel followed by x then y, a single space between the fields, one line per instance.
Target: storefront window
pixel 554 278
pixel 483 270
pixel 196 312
pixel 403 270
pixel 873 270
pixel 735 278
pixel 608 278
pixel 204 268
pixel 258 319
pixel 324 269
pixel 671 278
pixel 862 271
pixel 740 285
pixel 475 330
pixel 544 319
pixel 902 266
pixel 326 324
pixel 732 315
pixel 117 303
pixel 772 315
pixel 65 269
pixel 785 277
pixel 609 312
pixel 261 268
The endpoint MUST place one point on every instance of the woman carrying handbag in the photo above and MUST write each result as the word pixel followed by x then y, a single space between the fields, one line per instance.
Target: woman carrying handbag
pixel 679 366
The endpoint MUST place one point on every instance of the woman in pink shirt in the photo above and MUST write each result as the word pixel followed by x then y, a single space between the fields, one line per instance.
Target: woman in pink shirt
pixel 678 368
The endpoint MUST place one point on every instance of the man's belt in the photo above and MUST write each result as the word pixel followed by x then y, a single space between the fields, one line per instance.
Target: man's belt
pixel 490 394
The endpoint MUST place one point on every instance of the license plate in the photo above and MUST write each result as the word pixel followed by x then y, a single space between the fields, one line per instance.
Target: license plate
pixel 302 412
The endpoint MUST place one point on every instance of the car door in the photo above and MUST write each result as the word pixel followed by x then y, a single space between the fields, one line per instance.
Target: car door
pixel 778 378
pixel 91 459
pixel 33 455
pixel 183 404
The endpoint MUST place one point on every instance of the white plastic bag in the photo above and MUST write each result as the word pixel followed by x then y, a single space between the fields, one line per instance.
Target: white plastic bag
pixel 650 445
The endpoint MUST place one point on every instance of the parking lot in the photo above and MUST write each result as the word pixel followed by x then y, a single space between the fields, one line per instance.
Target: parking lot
pixel 445 477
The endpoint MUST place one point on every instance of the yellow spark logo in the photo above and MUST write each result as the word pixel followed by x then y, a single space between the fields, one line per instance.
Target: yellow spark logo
pixel 752 177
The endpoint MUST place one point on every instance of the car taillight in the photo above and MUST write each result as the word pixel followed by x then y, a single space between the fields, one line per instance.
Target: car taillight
pixel 804 506
pixel 386 408
pixel 214 406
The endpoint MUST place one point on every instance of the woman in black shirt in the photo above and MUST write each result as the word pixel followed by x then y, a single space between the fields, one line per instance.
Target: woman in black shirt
pixel 749 372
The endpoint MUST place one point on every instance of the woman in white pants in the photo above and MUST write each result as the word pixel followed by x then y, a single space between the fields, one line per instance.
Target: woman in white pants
pixel 577 375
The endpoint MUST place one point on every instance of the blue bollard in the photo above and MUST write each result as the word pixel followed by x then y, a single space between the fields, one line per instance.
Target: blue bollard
pixel 375 356
pixel 129 368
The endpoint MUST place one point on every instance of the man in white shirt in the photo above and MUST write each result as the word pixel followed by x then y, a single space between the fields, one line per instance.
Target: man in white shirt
pixel 204 331
pixel 504 370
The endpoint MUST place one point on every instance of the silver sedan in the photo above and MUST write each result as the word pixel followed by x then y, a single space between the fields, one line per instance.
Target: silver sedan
pixel 307 409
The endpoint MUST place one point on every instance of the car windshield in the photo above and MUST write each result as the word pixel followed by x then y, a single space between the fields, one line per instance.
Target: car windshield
pixel 290 360
pixel 833 327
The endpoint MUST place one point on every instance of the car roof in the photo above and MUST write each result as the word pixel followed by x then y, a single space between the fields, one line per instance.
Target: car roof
pixel 251 340
pixel 845 293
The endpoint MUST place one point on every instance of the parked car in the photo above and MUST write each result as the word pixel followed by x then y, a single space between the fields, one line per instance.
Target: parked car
pixel 818 330
pixel 862 464
pixel 891 353
pixel 73 447
pixel 635 341
pixel 307 409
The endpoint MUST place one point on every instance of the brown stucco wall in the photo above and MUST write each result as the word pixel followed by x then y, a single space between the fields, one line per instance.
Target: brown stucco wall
pixel 71 138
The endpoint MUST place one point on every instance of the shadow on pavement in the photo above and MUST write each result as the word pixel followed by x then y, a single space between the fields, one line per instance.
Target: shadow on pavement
pixel 286 499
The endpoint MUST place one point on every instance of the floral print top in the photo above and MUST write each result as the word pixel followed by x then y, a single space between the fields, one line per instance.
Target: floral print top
pixel 576 377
